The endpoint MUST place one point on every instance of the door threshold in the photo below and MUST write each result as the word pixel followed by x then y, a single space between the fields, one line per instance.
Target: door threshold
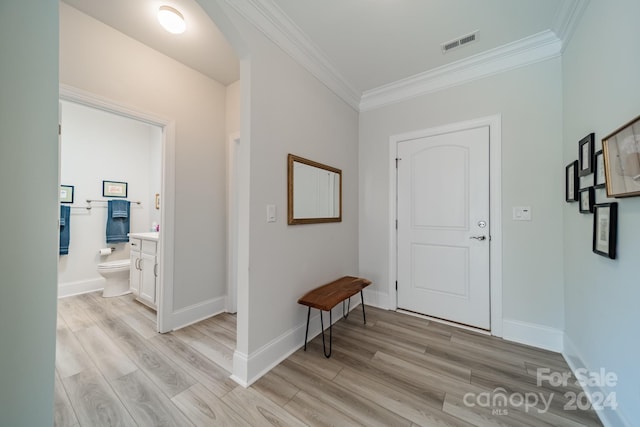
pixel 445 322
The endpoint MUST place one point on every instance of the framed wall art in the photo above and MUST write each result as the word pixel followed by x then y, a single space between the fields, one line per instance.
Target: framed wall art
pixel 605 224
pixel 571 182
pixel 66 193
pixel 585 154
pixel 587 197
pixel 599 177
pixel 621 152
pixel 114 189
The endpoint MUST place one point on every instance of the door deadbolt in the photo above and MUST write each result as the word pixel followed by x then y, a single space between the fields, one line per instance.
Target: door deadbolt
pixel 482 224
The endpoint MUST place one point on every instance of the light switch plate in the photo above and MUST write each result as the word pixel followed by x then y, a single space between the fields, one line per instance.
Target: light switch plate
pixel 522 213
pixel 271 213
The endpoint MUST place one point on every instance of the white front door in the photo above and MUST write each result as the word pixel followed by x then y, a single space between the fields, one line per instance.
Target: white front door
pixel 443 226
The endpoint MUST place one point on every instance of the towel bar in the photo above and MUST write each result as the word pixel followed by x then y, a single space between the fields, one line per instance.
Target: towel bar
pixel 106 200
pixel 89 201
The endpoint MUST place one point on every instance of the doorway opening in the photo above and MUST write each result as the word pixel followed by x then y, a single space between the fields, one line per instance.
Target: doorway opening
pixel 151 202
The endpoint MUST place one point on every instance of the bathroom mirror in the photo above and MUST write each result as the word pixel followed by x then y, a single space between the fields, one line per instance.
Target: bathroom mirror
pixel 315 192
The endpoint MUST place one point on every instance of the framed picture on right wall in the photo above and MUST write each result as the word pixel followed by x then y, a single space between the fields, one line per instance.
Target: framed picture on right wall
pixel 571 182
pixel 622 160
pixel 587 198
pixel 605 224
pixel 585 154
pixel 599 176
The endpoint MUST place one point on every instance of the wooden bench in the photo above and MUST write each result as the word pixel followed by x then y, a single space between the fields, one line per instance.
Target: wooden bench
pixel 328 296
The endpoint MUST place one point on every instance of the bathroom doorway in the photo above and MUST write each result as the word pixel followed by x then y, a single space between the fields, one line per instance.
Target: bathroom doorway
pixel 102 141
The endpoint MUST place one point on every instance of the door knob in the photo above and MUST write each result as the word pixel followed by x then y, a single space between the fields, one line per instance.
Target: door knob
pixel 481 238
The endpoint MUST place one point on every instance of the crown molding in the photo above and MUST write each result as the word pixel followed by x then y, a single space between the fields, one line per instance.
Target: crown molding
pixel 267 17
pixel 567 19
pixel 276 25
pixel 536 48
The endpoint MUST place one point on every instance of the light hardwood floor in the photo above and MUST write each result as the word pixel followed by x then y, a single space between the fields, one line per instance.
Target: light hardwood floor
pixel 113 369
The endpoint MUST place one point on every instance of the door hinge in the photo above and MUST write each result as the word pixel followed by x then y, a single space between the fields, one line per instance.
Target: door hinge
pixel 396 224
pixel 397 160
pixel 59 129
pixel 396 285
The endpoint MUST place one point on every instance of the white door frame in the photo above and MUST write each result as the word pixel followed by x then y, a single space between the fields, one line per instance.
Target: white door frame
pixel 167 192
pixel 495 205
pixel 232 222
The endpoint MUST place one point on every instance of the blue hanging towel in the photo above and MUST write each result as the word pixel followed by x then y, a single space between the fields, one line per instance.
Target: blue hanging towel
pixel 65 217
pixel 118 221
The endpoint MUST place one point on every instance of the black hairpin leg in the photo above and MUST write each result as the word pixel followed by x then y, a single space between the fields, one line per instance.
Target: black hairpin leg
pixel 348 308
pixel 324 347
pixel 306 333
pixel 363 315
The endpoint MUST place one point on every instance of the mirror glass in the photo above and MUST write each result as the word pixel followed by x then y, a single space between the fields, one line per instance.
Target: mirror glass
pixel 315 192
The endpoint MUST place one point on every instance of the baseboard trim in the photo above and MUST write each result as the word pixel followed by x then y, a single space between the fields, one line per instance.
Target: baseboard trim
pixel 228 305
pixel 240 365
pixel 197 312
pixel 271 354
pixel 377 299
pixel 80 287
pixel 608 417
pixel 532 334
pixel 248 369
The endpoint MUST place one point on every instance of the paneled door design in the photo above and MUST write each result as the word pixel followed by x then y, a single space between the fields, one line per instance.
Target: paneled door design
pixel 443 226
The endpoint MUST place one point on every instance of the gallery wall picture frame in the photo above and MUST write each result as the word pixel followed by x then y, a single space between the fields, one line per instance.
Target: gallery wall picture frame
pixel 66 193
pixel 621 151
pixel 599 175
pixel 587 198
pixel 114 189
pixel 571 182
pixel 605 225
pixel 585 154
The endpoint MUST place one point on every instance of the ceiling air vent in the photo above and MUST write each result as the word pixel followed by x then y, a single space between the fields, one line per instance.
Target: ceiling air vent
pixel 459 42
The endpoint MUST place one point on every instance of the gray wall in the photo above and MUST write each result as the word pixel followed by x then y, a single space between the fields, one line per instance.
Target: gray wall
pixel 28 218
pixel 601 69
pixel 292 112
pixel 529 100
pixel 284 110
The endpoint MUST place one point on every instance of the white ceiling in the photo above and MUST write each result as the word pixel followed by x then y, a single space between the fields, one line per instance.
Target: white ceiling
pixel 356 47
pixel 376 42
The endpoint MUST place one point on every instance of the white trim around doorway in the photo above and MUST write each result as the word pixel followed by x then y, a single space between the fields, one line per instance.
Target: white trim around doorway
pixel 233 142
pixel 495 205
pixel 165 321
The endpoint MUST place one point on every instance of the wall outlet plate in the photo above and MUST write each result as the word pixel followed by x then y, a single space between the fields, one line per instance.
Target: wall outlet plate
pixel 522 213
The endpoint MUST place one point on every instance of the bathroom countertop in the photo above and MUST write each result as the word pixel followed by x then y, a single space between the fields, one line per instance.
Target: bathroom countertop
pixel 152 235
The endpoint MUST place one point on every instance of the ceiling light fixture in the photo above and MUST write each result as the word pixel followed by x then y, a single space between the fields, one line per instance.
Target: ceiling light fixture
pixel 171 20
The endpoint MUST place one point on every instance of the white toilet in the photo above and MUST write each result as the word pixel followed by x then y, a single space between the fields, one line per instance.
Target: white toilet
pixel 116 274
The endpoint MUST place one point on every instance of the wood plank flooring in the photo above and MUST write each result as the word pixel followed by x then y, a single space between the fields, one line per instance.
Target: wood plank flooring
pixel 113 369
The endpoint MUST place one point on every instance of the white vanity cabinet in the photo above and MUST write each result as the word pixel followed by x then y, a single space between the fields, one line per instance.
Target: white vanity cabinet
pixel 144 267
pixel 134 272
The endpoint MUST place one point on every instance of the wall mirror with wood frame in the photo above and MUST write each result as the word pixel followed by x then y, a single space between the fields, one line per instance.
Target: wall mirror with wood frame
pixel 314 192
